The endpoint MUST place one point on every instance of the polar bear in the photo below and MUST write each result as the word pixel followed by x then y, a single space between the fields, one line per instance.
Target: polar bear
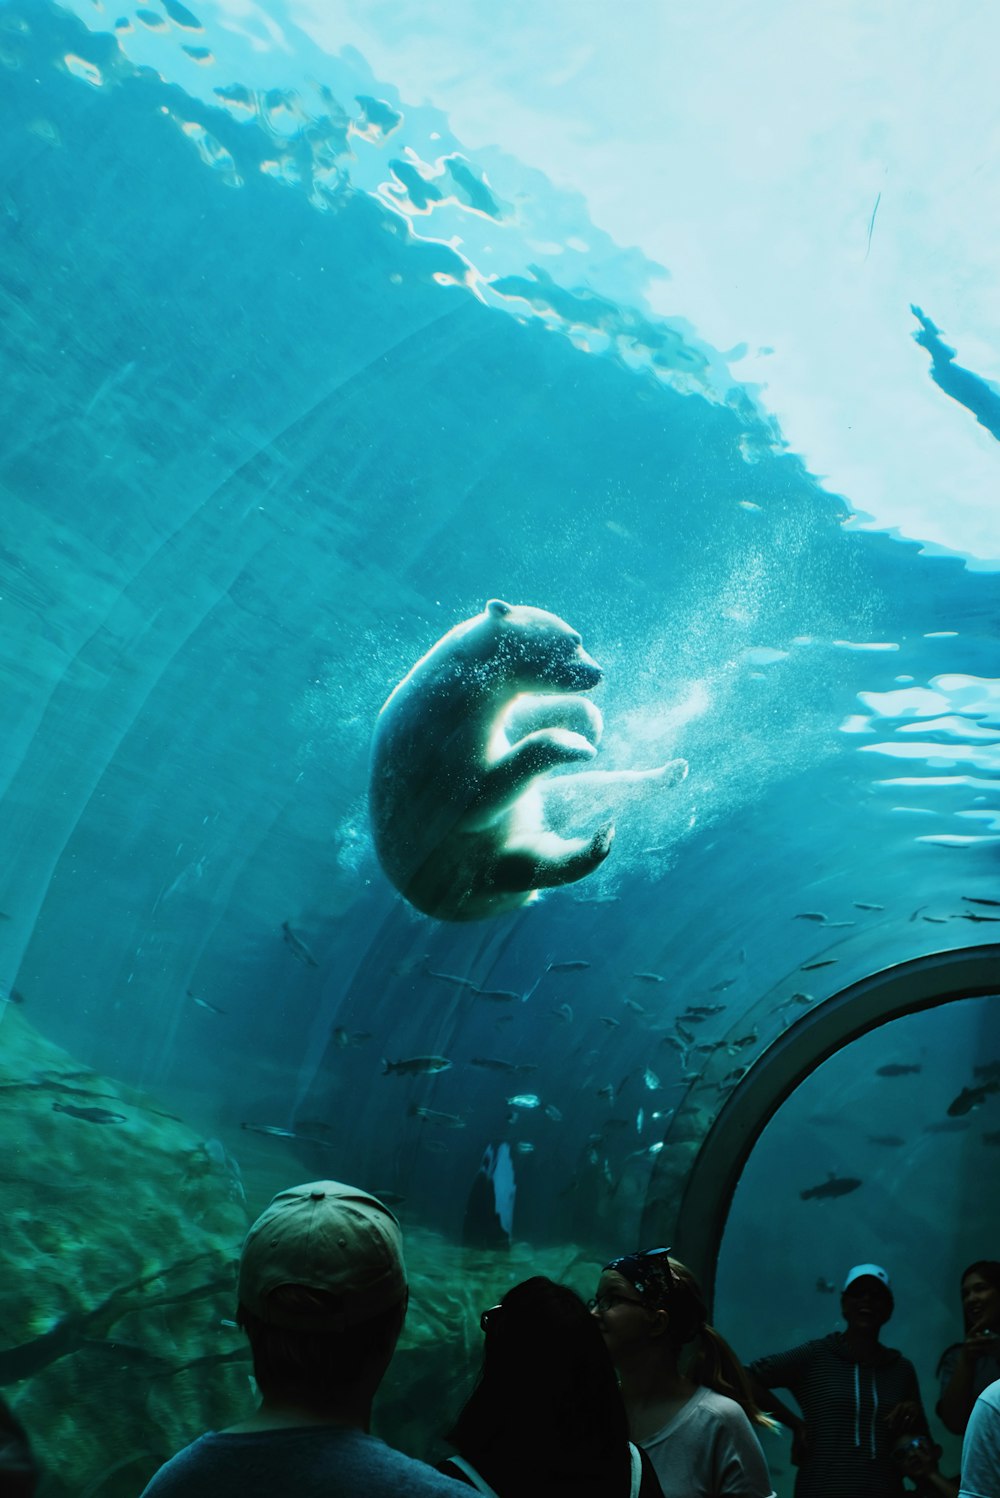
pixel 459 755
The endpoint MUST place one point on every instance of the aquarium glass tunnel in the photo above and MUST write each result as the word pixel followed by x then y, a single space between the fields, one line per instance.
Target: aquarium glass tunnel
pixel 329 326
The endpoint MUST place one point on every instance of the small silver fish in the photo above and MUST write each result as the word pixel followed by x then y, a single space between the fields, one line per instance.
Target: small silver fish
pixel 524 1100
pixel 607 1019
pixel 204 1003
pixel 454 979
pixel 649 977
pixel 650 1078
pixel 524 1147
pixel 566 967
pixel 551 1111
pixel 297 946
pixel 432 1116
pixel 416 1066
pixel 271 1129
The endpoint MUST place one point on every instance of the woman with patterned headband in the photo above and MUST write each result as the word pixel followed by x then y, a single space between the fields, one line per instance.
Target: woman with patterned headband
pixel 688 1399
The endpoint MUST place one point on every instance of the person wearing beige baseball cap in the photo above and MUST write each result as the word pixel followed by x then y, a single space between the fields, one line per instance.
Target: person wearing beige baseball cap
pixel 321 1295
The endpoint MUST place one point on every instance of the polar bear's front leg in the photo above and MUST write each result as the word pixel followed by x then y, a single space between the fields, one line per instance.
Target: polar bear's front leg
pixel 531 756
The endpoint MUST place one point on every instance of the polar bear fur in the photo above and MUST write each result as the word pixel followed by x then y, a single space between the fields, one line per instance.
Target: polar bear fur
pixel 459 753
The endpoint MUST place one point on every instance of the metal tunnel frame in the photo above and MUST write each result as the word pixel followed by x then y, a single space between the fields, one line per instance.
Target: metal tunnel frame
pixel 907 988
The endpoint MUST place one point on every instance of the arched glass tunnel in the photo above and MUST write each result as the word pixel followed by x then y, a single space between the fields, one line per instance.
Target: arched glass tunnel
pixel 300 373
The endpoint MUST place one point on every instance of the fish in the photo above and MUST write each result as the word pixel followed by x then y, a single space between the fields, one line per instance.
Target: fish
pixel 825 1287
pixel 704 1010
pixel 871 225
pixel 90 1115
pixel 650 1078
pixel 897 1069
pixel 416 1066
pixel 640 1119
pixel 607 1019
pixel 863 905
pixel 494 1063
pixel 834 1185
pixel 692 1017
pixel 572 966
pixel 12 996
pixel 635 1006
pixel 297 946
pixel 971 1097
pixel 272 1130
pixel 970 915
pixel 722 986
pixel 204 1003
pixel 810 915
pixel 808 967
pixel 432 1116
pixel 499 995
pixel 524 1100
pixel 563 1012
pixel 980 900
pixel 742 1041
pixel 340 1037
pixel 455 979
pixel 650 977
pixel 706 1047
pixel 524 1147
pixel 892 1141
pixel 684 1033
pixel 551 1111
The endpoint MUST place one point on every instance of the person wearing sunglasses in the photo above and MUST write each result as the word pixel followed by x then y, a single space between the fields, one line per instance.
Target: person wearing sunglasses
pixel 546 1415
pixel 687 1397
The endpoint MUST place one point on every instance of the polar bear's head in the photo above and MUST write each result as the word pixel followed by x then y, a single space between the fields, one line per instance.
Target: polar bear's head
pixel 537 649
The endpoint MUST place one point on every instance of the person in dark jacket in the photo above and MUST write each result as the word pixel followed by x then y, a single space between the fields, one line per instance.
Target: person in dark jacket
pixel 848 1387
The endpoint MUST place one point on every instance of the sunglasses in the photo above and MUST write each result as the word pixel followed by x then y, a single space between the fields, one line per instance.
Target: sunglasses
pixel 486 1317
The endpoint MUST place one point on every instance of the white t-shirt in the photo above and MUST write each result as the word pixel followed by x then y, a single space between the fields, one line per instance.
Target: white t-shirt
pixel 709 1449
pixel 981 1447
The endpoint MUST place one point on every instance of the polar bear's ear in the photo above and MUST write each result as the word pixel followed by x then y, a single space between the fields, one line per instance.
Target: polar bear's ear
pixel 498 609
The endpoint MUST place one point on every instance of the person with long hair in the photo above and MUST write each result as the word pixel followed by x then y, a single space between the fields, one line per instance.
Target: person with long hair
pixel 968 1367
pixel 546 1415
pixel 687 1397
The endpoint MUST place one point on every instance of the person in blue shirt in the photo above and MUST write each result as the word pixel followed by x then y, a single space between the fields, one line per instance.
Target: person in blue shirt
pixel 322 1295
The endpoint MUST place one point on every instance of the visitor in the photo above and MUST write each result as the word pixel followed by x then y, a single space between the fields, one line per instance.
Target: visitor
pixel 848 1387
pixel 322 1295
pixel 981 1447
pixel 18 1470
pixel 968 1367
pixel 546 1415
pixel 687 1397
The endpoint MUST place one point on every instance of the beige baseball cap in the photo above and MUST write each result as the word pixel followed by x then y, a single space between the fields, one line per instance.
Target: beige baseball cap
pixel 325 1236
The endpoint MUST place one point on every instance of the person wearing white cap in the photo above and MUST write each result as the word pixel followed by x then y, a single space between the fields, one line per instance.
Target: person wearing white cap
pixel 848 1386
pixel 322 1295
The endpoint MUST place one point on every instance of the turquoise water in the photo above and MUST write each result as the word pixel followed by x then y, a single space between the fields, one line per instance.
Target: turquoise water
pixel 271 432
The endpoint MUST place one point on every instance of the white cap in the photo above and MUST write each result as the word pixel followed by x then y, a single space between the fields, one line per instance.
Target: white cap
pixel 868 1271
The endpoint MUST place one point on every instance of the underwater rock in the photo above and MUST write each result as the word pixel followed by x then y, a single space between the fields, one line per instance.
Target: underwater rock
pixel 118 1271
